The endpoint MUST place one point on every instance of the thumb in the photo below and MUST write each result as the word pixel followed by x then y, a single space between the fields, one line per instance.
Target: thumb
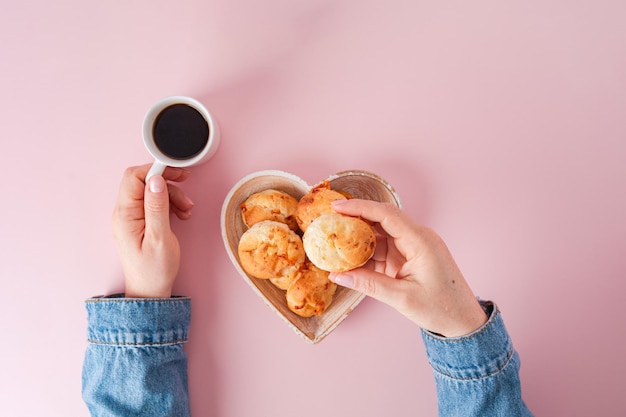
pixel 157 206
pixel 371 283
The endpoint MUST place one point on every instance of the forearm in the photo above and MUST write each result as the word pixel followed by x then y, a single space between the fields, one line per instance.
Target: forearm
pixel 135 363
pixel 477 374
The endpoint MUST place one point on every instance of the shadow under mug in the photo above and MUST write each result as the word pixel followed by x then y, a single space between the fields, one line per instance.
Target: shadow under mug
pixel 176 136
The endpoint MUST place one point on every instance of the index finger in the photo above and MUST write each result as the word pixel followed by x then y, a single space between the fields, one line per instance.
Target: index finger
pixel 170 173
pixel 131 191
pixel 392 219
pixel 410 238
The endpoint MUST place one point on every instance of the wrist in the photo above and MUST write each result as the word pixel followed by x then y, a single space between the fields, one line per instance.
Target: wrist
pixel 139 292
pixel 470 320
pixel 147 295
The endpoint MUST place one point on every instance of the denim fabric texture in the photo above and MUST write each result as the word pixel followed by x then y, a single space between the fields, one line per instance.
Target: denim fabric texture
pixel 135 364
pixel 477 374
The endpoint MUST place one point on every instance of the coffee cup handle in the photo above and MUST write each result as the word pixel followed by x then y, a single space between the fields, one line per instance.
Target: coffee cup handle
pixel 157 168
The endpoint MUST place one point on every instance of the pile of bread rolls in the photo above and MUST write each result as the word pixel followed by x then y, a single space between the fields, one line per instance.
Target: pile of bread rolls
pixel 296 243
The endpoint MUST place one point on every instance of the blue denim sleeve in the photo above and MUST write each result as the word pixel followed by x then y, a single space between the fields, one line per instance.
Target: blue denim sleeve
pixel 477 374
pixel 135 364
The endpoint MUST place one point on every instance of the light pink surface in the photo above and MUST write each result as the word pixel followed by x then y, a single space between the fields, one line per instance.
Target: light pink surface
pixel 501 125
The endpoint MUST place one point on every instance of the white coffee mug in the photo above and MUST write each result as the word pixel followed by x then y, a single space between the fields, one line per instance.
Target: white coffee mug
pixel 163 159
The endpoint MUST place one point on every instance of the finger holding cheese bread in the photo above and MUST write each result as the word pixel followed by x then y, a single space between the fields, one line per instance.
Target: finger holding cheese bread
pixel 412 271
pixel 338 243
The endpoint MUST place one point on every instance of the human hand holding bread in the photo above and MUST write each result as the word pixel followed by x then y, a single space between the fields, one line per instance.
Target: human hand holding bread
pixel 413 271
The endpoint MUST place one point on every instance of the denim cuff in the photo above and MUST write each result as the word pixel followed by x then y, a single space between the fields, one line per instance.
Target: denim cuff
pixel 479 354
pixel 138 321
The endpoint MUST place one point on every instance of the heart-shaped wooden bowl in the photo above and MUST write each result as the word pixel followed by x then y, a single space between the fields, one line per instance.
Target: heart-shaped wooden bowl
pixel 360 184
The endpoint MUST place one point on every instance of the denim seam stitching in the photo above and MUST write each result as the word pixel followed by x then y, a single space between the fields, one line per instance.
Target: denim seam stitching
pixel 136 301
pixel 170 342
pixel 494 372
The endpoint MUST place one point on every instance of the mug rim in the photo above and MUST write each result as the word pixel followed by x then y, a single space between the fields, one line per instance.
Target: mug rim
pixel 148 137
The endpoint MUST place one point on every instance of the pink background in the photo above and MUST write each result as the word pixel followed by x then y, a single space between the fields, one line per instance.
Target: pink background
pixel 500 123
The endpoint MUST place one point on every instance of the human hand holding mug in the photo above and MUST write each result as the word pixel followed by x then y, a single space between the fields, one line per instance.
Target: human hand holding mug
pixel 148 249
pixel 180 132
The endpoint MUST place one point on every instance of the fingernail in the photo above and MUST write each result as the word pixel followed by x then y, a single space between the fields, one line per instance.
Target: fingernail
pixel 345 280
pixel 156 184
pixel 338 202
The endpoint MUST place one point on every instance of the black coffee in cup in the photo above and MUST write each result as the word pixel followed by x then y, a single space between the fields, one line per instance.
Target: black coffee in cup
pixel 180 131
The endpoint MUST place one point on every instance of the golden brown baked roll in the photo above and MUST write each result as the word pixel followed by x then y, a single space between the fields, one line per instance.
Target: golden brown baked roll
pixel 270 249
pixel 311 293
pixel 337 243
pixel 316 203
pixel 270 205
pixel 284 281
